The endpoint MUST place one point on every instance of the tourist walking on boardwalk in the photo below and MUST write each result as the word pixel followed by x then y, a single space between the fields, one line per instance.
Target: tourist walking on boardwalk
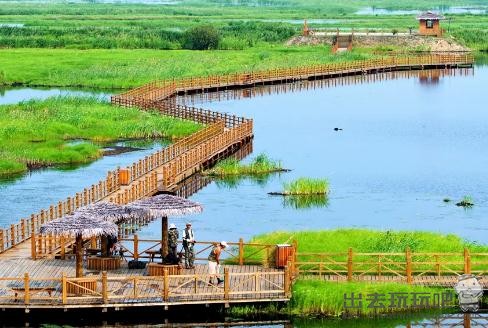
pixel 188 243
pixel 173 236
pixel 214 262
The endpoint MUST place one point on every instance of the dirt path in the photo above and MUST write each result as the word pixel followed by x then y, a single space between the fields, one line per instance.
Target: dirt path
pixel 408 42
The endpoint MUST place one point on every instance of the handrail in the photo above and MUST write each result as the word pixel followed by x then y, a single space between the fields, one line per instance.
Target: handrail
pixel 223 129
pixel 382 265
pixel 121 290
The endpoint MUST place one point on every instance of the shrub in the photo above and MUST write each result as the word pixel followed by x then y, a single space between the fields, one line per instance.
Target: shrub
pixel 201 37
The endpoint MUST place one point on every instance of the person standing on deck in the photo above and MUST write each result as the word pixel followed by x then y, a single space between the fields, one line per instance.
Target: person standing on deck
pixel 173 236
pixel 214 262
pixel 188 243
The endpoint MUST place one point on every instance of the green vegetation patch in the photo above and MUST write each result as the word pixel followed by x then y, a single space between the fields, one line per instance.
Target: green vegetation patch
pixel 261 164
pixel 121 68
pixel 313 297
pixel 369 241
pixel 38 133
pixel 304 186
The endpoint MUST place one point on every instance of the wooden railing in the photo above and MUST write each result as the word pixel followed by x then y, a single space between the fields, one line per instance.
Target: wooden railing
pixel 237 253
pixel 123 290
pixel 222 130
pixel 158 90
pixel 385 266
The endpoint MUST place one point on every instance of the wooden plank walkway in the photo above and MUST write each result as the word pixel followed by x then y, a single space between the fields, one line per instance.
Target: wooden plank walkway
pixel 132 287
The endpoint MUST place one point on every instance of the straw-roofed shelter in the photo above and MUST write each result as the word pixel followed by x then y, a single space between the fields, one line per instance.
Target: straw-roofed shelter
pixel 108 212
pixel 162 206
pixel 79 227
pixel 105 211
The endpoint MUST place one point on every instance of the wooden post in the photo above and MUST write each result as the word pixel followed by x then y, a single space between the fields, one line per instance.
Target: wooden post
pixel 79 256
pixel 63 248
pixel 26 289
pixel 408 265
pixel 226 283
pixel 2 247
pixel 166 285
pixel 104 287
pixel 467 261
pixel 349 264
pixel 286 285
pixel 241 251
pixel 33 247
pixel 136 247
pixel 64 290
pixel 164 239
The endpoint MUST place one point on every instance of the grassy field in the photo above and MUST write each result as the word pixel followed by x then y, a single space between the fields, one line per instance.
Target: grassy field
pixel 368 241
pixel 123 68
pixel 314 298
pixel 38 133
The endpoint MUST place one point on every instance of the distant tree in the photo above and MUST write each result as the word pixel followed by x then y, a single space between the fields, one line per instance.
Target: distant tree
pixel 201 37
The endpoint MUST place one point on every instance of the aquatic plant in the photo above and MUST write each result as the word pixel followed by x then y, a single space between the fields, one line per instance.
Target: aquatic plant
pixel 306 186
pixel 467 201
pixel 261 164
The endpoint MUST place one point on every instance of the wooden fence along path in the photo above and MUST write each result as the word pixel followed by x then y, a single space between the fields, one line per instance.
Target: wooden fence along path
pixel 163 171
pixel 427 268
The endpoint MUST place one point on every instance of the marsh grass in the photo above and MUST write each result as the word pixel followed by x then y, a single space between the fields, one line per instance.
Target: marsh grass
pixel 37 133
pixel 370 241
pixel 306 186
pixel 261 164
pixel 325 298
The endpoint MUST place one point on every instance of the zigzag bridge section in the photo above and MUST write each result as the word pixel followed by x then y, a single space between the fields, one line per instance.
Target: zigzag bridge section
pixel 37 271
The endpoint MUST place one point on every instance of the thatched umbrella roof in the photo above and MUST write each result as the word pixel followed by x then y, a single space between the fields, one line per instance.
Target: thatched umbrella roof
pixel 79 225
pixel 165 205
pixel 105 211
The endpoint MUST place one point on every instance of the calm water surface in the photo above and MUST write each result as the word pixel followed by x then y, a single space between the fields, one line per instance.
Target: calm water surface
pixel 407 143
pixel 39 189
pixel 15 95
pixel 444 10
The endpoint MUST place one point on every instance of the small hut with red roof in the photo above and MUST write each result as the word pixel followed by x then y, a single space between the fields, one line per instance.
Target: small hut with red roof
pixel 429 23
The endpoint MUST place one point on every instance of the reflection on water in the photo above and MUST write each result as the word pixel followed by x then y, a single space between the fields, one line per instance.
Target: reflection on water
pixel 15 95
pixel 305 201
pixel 417 320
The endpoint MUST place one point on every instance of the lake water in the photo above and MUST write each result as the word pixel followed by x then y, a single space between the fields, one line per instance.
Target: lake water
pixel 443 10
pixel 407 143
pixel 39 189
pixel 13 95
pixel 151 320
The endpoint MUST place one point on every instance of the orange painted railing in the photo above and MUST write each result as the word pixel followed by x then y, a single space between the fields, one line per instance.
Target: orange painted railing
pixel 222 130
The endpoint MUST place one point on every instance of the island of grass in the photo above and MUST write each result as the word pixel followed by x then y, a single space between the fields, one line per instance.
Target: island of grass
pixel 315 297
pixel 261 164
pixel 304 187
pixel 38 133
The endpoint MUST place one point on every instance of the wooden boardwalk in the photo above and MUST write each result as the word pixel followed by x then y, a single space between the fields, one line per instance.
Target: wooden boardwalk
pixel 50 286
pixel 47 283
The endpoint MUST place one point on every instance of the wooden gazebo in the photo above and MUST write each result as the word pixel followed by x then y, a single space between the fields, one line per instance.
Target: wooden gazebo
pixel 429 23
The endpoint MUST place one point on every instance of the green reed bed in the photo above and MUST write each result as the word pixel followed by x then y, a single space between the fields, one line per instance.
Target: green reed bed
pixel 261 164
pixel 122 68
pixel 369 241
pixel 37 133
pixel 304 186
pixel 320 298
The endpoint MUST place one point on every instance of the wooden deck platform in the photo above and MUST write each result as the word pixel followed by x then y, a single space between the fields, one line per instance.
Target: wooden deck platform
pixel 47 286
